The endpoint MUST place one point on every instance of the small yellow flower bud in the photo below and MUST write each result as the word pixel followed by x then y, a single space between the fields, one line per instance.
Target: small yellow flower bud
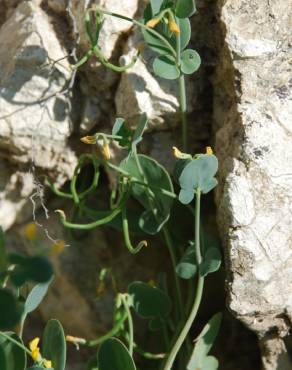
pixel 153 22
pixel 106 151
pixel 173 27
pixel 35 351
pixel 30 231
pixel 176 152
pixel 58 247
pixel 48 364
pixel 209 150
pixel 33 344
pixel 145 243
pixel 88 139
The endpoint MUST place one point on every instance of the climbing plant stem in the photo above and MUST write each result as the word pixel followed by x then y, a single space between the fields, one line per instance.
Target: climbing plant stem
pixel 200 285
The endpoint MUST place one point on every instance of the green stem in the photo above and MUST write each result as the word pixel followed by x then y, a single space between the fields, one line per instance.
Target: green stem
pixel 183 112
pixel 20 345
pixel 200 285
pixel 114 331
pixel 132 249
pixel 182 97
pixel 170 247
pixel 91 225
pixel 130 323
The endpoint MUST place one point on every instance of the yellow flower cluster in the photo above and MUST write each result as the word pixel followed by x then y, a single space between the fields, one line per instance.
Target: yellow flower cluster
pixel 35 353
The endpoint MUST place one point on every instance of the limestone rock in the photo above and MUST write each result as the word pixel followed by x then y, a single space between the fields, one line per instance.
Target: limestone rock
pixel 35 115
pixel 253 112
pixel 140 91
pixel 15 188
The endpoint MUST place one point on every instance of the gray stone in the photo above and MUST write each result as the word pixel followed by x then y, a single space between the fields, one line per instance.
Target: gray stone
pixel 253 113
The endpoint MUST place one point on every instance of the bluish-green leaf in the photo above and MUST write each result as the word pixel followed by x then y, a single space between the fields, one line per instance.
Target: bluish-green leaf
pixel 198 174
pixel 11 310
pixel 149 302
pixel 211 261
pixel 187 267
pixel 35 296
pixel 204 344
pixel 113 355
pixel 165 66
pixel 120 129
pixel 190 61
pixel 154 42
pixel 156 6
pixel 157 211
pixel 185 8
pixel 14 356
pixel 54 344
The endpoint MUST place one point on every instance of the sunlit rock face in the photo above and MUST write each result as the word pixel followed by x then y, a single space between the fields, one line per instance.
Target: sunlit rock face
pixel 253 112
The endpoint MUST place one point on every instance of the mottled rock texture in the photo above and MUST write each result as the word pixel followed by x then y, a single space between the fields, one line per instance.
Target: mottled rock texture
pixel 253 113
pixel 247 101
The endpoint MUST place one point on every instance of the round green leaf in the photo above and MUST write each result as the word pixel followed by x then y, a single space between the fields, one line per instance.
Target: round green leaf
pixel 190 61
pixel 185 8
pixel 157 213
pixel 10 310
pixel 187 266
pixel 211 261
pixel 149 302
pixel 15 357
pixel 164 66
pixel 155 324
pixel 198 174
pixel 54 344
pixel 113 355
pixel 37 269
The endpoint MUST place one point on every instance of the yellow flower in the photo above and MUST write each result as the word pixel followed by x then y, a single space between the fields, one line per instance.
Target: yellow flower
pixel 30 231
pixel 176 152
pixel 209 150
pixel 48 364
pixel 88 139
pixel 33 346
pixel 58 247
pixel 173 27
pixel 106 151
pixel 153 22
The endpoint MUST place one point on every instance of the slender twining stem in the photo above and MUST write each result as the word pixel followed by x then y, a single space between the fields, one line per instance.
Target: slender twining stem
pixel 200 285
pixel 114 331
pixel 182 97
pixel 130 323
pixel 20 345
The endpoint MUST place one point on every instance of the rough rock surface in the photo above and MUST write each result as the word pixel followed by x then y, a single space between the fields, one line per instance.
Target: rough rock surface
pixel 35 118
pixel 253 110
